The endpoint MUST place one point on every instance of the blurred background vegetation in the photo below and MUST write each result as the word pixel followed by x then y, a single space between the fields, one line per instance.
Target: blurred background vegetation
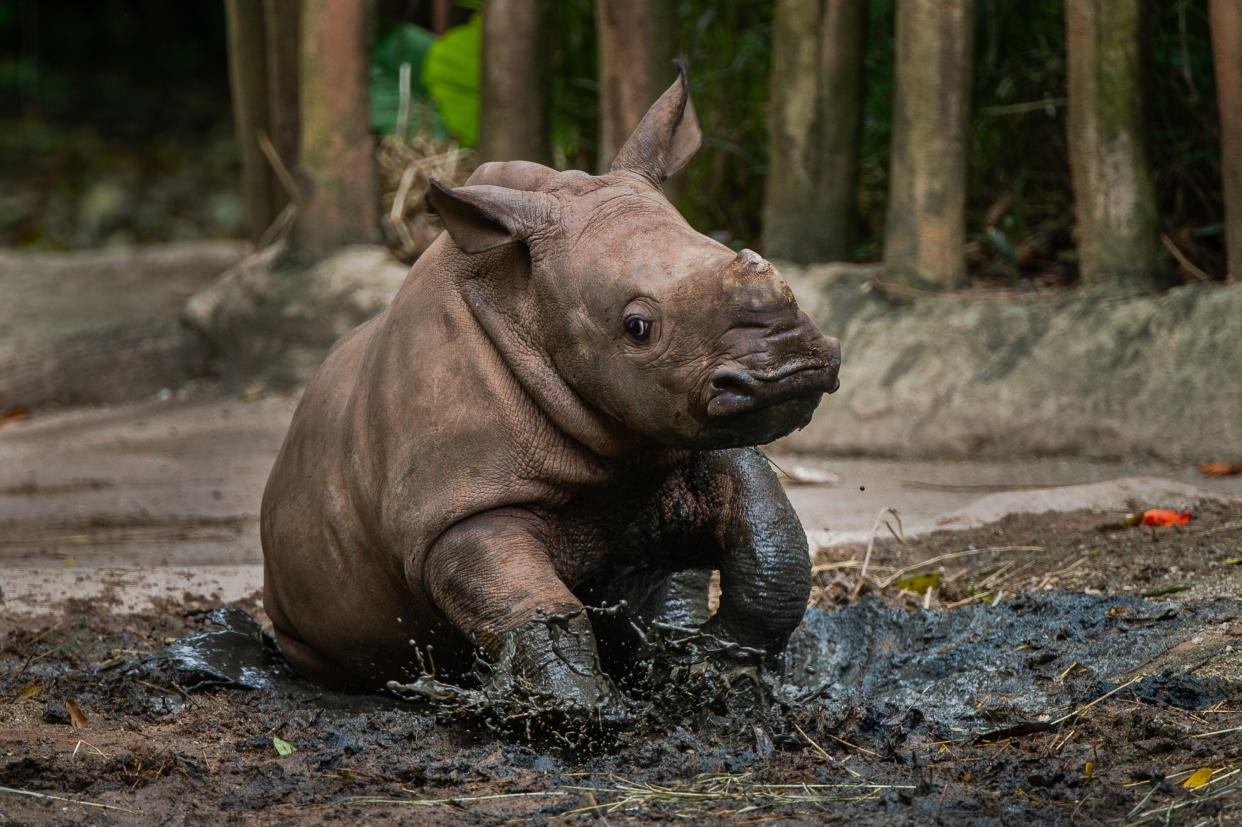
pixel 115 122
pixel 115 125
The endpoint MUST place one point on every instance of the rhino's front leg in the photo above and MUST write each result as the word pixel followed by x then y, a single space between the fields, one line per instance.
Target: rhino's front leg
pixel 765 571
pixel 494 581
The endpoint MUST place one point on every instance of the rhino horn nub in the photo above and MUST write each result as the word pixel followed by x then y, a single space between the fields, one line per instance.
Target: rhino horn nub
pixel 749 266
pixel 666 138
pixel 752 282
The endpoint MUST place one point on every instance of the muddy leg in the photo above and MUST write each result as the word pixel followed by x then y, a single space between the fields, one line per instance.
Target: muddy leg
pixel 494 581
pixel 765 571
pixel 674 598
pixel 652 597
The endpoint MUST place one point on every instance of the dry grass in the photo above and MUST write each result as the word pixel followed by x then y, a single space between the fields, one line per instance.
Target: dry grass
pixel 719 795
pixel 406 170
pixel 953 573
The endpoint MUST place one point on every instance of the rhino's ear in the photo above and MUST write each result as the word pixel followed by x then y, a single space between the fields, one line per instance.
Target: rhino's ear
pixel 481 218
pixel 666 138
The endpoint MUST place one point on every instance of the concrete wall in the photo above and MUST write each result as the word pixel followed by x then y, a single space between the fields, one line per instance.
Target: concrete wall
pixel 1084 372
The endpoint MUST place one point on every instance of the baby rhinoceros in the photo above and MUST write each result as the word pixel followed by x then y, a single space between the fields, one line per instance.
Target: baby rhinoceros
pixel 555 410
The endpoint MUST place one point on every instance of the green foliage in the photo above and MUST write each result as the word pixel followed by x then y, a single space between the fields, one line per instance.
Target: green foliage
pixel 1019 200
pixel 575 86
pixel 1185 130
pixel 728 46
pixel 451 72
pixel 397 44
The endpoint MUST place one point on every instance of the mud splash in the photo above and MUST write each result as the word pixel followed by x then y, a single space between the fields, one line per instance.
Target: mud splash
pixel 236 654
pixel 1026 662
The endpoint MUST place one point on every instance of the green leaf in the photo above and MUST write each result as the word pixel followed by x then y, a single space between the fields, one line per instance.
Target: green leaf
pixel 283 747
pixel 401 43
pixel 919 583
pixel 1233 561
pixel 1002 243
pixel 1166 590
pixel 451 74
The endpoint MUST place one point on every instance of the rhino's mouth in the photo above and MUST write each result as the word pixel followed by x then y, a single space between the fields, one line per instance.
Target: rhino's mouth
pixel 734 391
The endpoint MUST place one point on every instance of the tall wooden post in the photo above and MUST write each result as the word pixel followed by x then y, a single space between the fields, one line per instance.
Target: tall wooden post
pixel 637 43
pixel 1226 21
pixel 340 204
pixel 248 82
pixel 283 22
pixel 1114 196
pixel 925 228
pixel 514 106
pixel 815 113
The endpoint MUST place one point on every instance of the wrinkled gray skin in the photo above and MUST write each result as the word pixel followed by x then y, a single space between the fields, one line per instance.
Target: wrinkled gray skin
pixel 553 409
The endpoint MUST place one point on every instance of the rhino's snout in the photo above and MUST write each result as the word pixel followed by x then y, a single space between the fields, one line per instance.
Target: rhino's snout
pixel 796 362
pixel 735 391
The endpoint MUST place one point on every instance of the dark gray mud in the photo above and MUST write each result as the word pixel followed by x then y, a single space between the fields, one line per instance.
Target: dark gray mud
pixel 974 669
pixel 1027 659
pixel 1051 707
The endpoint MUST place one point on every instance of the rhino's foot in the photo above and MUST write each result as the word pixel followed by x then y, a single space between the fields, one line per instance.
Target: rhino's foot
pixel 547 677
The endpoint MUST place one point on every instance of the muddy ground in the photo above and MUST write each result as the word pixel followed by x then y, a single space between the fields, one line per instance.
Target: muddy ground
pixel 1028 680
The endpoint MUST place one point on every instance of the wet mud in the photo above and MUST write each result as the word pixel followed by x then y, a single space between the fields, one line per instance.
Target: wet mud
pixel 1050 706
pixel 1020 661
pixel 970 669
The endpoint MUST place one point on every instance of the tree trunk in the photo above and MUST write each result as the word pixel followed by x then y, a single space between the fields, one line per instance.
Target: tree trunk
pixel 441 16
pixel 249 84
pixel 1114 196
pixel 925 228
pixel 282 19
pixel 1226 21
pixel 637 41
pixel 815 90
pixel 515 105
pixel 337 173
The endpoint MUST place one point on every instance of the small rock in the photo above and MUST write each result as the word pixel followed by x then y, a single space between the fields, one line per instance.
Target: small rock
pixel 56 713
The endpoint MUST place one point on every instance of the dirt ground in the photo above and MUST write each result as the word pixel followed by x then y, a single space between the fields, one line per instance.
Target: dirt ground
pixel 89 734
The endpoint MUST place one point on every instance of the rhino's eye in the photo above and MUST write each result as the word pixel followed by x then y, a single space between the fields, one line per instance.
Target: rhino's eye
pixel 638 328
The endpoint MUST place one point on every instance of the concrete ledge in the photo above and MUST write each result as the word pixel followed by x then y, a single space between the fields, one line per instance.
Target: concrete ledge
pixel 261 317
pixel 1088 373
pixel 101 326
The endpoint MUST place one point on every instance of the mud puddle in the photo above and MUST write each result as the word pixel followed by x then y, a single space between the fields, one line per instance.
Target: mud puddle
pixel 1022 663
pixel 1026 659
pixel 1045 706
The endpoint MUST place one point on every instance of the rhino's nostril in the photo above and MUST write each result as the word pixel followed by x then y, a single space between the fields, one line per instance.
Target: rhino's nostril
pixel 732 382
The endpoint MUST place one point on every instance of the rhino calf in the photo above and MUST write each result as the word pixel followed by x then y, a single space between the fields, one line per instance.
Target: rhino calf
pixel 554 409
